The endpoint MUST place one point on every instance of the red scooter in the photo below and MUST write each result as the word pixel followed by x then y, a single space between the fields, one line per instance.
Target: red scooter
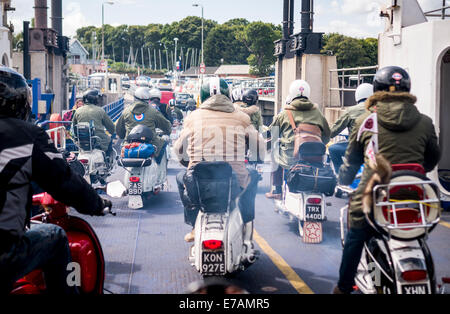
pixel 84 246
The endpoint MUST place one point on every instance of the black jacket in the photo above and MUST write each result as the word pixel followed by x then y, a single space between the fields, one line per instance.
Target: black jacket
pixel 28 154
pixel 164 109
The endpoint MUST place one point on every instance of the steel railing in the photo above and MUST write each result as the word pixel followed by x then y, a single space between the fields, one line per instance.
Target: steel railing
pixel 357 74
pixel 442 11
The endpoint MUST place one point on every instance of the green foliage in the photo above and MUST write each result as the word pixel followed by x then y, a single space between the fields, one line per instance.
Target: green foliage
pixel 351 52
pixel 259 39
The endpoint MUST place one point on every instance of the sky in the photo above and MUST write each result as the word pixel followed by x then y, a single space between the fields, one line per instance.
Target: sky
pixel 357 18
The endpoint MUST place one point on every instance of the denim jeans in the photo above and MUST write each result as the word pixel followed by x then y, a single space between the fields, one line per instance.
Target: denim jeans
pixel 246 199
pixel 337 152
pixel 43 247
pixel 353 247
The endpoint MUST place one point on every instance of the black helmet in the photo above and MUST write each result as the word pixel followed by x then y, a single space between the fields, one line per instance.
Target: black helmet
pixel 15 95
pixel 392 79
pixel 140 133
pixel 92 96
pixel 250 97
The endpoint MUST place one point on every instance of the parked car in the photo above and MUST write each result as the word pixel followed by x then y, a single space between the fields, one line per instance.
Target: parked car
pixel 164 84
pixel 181 100
pixel 143 81
pixel 125 82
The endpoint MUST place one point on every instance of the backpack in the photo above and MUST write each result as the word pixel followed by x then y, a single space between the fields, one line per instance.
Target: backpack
pixel 303 133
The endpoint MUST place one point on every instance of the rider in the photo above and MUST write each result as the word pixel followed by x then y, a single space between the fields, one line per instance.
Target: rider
pixel 92 111
pixel 303 111
pixel 155 101
pixel 404 136
pixel 218 116
pixel 248 104
pixel 176 113
pixel 28 154
pixel 191 105
pixel 141 113
pixel 347 120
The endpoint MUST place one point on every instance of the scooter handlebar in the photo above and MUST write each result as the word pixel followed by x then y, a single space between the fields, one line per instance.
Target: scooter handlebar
pixel 108 210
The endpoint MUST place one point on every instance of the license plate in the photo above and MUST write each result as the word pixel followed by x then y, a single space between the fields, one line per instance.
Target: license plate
pixel 213 263
pixel 135 188
pixel 415 289
pixel 313 212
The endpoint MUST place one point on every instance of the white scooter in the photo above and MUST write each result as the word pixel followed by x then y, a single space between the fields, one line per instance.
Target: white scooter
pixel 92 158
pixel 144 177
pixel 397 259
pixel 305 202
pixel 223 243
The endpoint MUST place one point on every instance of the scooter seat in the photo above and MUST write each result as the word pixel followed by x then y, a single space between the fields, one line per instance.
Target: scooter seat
pixel 134 162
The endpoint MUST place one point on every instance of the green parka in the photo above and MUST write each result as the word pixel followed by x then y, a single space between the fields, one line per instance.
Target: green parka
pixel 101 122
pixel 404 136
pixel 253 112
pixel 142 113
pixel 303 111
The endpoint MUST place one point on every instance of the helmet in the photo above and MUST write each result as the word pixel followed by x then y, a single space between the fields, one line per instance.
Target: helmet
pixel 142 93
pixel 140 133
pixel 363 92
pixel 172 102
pixel 250 97
pixel 299 88
pixel 15 95
pixel 155 93
pixel 392 79
pixel 214 86
pixel 92 96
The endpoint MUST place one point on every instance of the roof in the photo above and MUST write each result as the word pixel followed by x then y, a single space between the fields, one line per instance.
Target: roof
pixel 196 71
pixel 233 69
pixel 74 41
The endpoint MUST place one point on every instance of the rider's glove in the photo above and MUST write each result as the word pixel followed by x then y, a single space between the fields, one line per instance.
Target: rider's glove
pixel 106 204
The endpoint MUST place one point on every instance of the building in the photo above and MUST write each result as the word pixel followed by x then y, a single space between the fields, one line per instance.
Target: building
pixel 5 34
pixel 79 60
pixel 234 70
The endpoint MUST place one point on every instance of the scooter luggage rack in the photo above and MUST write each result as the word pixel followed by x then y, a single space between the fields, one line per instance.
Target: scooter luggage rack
pixel 394 204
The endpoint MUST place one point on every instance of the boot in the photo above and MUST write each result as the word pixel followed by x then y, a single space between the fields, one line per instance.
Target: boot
pixel 190 237
pixel 273 195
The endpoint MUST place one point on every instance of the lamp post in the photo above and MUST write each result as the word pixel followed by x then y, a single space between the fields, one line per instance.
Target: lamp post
pixel 201 5
pixel 176 61
pixel 103 31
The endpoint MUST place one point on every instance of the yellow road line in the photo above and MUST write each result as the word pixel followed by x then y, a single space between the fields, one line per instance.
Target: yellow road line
pixel 284 267
pixel 445 224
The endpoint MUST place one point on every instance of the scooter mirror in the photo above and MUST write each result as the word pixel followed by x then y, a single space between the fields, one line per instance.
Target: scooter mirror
pixel 116 189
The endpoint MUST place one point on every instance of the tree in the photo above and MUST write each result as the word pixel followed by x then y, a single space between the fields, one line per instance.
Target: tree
pixel 351 52
pixel 222 43
pixel 259 39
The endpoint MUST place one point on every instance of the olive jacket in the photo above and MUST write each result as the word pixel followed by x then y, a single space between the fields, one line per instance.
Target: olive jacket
pixel 303 111
pixel 253 112
pixel 347 120
pixel 404 136
pixel 101 121
pixel 141 113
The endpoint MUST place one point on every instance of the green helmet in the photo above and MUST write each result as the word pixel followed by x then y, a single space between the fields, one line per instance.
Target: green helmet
pixel 214 86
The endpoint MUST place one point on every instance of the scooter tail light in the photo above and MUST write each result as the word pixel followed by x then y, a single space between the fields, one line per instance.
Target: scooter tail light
pixel 414 275
pixel 212 244
pixel 83 161
pixel 314 200
pixel 135 179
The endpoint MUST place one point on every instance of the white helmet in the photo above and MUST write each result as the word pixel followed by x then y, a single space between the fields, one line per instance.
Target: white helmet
pixel 299 88
pixel 155 93
pixel 363 92
pixel 237 94
pixel 142 93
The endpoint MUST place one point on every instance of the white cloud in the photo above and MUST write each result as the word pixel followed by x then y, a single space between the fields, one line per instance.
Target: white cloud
pixel 73 19
pixel 345 28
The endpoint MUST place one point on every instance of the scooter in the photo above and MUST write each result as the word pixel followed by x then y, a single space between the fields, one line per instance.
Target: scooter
pixel 223 242
pixel 94 160
pixel 144 177
pixel 397 259
pixel 304 198
pixel 84 244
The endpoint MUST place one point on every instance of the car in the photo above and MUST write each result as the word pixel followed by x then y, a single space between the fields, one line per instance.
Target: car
pixel 181 99
pixel 142 81
pixel 164 84
pixel 125 82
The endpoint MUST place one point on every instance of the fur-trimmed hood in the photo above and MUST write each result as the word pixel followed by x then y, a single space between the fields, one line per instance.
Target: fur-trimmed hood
pixel 218 103
pixel 395 111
